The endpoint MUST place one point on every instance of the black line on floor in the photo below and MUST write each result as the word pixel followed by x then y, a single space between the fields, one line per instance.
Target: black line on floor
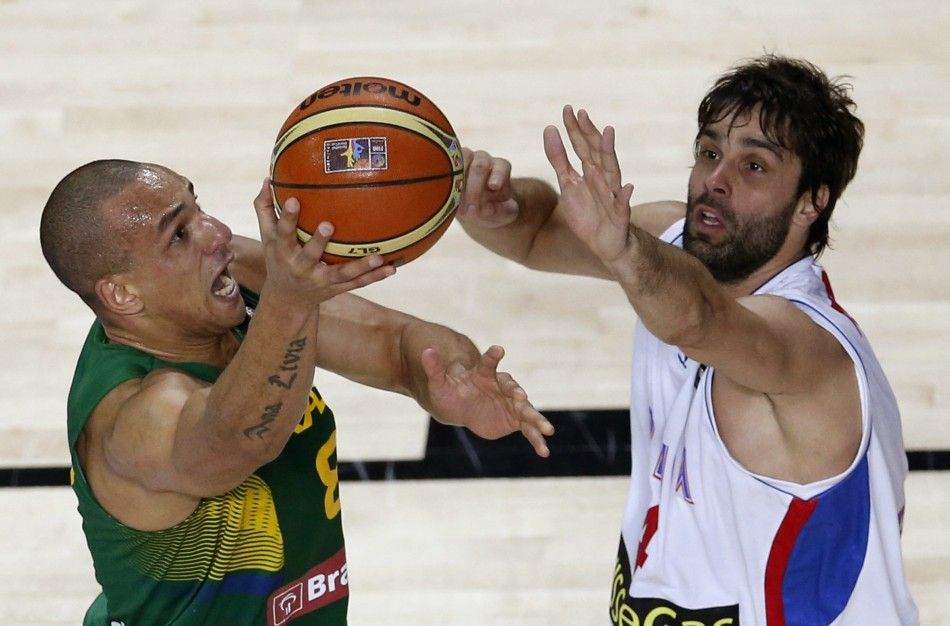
pixel 587 443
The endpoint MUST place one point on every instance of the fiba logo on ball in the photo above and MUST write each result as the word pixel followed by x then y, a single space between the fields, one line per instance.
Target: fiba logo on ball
pixel 378 160
pixel 363 153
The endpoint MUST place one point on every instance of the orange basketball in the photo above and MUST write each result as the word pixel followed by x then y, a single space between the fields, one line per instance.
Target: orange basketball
pixel 375 158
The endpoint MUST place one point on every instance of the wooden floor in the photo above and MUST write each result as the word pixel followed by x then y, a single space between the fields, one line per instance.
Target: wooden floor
pixel 203 87
pixel 424 553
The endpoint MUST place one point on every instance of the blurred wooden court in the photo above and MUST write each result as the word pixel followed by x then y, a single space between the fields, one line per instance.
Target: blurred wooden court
pixel 202 87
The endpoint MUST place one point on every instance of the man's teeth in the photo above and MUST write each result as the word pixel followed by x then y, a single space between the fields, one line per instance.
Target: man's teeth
pixel 709 219
pixel 228 285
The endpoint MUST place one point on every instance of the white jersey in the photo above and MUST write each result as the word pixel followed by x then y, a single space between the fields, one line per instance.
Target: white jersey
pixel 705 539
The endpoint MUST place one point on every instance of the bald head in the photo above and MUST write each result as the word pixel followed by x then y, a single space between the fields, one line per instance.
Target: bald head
pixel 75 232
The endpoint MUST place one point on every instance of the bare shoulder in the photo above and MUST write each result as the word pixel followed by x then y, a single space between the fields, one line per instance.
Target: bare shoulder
pixel 657 217
pixel 124 446
pixel 151 408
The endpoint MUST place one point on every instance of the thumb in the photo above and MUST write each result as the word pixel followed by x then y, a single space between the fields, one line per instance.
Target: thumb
pixel 264 208
pixel 433 364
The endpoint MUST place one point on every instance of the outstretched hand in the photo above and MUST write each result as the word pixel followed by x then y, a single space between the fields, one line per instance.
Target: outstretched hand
pixel 593 203
pixel 296 270
pixel 489 403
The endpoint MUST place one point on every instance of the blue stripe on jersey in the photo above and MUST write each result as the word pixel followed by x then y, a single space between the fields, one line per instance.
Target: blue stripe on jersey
pixel 254 583
pixel 829 553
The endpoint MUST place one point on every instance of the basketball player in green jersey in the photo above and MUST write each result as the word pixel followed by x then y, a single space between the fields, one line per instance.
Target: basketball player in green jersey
pixel 204 460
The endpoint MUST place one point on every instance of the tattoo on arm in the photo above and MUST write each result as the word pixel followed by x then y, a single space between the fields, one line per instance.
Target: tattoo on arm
pixel 284 379
pixel 288 368
pixel 270 414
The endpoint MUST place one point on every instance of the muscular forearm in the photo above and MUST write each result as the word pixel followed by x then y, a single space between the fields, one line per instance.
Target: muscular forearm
pixel 536 202
pixel 674 295
pixel 257 401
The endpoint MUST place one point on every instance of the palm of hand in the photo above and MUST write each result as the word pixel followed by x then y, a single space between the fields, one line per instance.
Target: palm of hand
pixel 470 397
pixel 593 204
pixel 489 403
pixel 594 214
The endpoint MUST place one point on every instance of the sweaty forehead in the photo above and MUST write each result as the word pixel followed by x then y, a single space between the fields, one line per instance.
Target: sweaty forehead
pixel 142 203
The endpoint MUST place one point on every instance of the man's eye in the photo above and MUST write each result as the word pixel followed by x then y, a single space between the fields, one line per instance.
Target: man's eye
pixel 709 154
pixel 179 234
pixel 755 167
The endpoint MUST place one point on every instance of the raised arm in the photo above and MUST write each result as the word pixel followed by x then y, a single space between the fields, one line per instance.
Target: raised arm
pixel 520 218
pixel 437 366
pixel 517 218
pixel 761 346
pixel 178 438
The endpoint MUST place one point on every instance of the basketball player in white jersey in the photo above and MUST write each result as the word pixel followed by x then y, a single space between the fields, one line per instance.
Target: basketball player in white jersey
pixel 767 456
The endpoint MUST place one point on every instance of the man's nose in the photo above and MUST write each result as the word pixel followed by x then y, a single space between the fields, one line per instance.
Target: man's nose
pixel 718 182
pixel 215 234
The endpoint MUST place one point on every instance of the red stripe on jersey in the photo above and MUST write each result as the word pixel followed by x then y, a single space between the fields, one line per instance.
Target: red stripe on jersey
pixel 831 295
pixel 795 518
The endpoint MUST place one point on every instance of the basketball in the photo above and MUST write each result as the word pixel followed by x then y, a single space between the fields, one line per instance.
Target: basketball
pixel 375 158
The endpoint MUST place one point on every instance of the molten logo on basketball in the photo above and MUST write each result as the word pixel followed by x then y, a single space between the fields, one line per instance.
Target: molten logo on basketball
pixel 349 89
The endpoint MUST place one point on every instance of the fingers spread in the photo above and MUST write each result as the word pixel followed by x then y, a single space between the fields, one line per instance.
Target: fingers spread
pixel 608 141
pixel 356 268
pixel 604 193
pixel 536 439
pixel 626 194
pixel 557 155
pixel 488 364
pixel 314 247
pixel 369 278
pixel 593 147
pixel 577 135
pixel 588 128
pixel 287 223
pixel 358 273
pixel 511 387
pixel 608 160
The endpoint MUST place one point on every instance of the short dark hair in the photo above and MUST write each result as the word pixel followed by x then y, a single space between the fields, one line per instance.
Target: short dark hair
pixel 803 111
pixel 74 234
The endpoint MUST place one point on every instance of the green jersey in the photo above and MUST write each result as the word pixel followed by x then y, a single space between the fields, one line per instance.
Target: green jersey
pixel 269 551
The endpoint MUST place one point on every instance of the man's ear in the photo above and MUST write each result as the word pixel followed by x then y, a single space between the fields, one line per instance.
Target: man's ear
pixel 118 296
pixel 811 206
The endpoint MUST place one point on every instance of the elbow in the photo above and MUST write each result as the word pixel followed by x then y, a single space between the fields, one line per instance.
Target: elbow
pixel 245 451
pixel 223 468
pixel 687 336
pixel 693 328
